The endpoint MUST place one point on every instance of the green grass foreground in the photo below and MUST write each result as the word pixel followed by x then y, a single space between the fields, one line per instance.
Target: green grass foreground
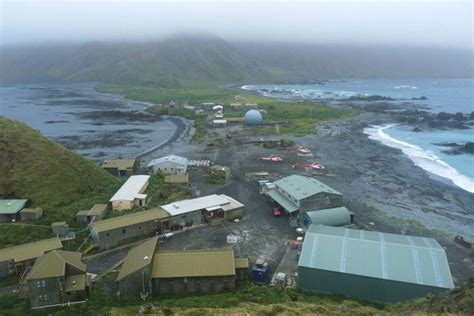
pixel 246 293
pixel 299 118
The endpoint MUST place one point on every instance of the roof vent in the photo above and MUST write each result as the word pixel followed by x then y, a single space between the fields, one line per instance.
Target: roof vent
pixel 9 204
pixel 73 283
pixel 146 258
pixel 175 205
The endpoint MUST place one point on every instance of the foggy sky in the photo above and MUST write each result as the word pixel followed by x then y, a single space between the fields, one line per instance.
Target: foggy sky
pixel 448 24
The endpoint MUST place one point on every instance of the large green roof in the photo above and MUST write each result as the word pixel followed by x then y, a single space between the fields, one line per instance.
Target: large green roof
pixel 53 264
pixel 283 201
pixel 378 255
pixel 193 263
pixel 11 206
pixel 301 187
pixel 138 258
pixel 129 219
pixel 29 251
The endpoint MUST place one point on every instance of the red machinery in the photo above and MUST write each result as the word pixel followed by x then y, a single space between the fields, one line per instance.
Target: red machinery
pixel 300 150
pixel 315 165
pixel 271 158
pixel 276 211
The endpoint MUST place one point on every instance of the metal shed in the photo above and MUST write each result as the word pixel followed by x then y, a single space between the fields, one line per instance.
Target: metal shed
pixel 338 216
pixel 374 266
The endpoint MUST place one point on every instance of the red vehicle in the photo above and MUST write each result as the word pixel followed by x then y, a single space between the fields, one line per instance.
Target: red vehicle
pixel 276 211
pixel 271 158
pixel 314 165
pixel 300 150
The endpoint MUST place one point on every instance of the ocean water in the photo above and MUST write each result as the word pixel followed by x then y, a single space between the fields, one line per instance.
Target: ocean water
pixel 449 95
pixel 77 115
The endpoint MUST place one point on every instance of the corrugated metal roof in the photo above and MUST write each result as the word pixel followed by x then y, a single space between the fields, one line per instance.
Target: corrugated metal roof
pixel 130 190
pixel 201 203
pixel 29 251
pixel 171 158
pixel 337 216
pixel 120 164
pixel 129 219
pixel 283 201
pixel 53 264
pixel 377 255
pixel 96 210
pixel 138 258
pixel 301 187
pixel 193 263
pixel 12 206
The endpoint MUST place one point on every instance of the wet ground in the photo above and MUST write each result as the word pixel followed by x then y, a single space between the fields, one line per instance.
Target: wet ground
pixel 380 185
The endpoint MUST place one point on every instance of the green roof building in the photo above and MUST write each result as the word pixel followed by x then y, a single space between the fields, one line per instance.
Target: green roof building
pixel 304 194
pixel 148 272
pixel 373 266
pixel 134 278
pixel 18 258
pixel 57 277
pixel 10 208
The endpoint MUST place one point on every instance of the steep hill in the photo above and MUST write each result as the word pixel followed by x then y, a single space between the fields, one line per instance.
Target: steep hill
pixel 49 175
pixel 190 58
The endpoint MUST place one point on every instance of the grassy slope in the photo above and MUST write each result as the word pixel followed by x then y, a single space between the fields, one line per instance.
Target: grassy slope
pixel 250 299
pixel 50 176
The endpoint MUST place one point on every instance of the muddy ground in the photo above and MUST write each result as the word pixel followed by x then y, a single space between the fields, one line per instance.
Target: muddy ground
pixel 385 190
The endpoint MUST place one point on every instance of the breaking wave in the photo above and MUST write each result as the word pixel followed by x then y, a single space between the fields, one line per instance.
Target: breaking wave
pixel 421 158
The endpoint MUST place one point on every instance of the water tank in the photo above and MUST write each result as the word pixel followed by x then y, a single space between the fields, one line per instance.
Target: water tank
pixel 253 118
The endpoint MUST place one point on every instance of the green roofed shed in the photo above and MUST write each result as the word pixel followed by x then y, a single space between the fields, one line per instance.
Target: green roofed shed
pixel 11 207
pixel 338 216
pixel 373 266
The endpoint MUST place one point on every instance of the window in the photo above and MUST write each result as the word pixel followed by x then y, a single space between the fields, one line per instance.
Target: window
pixel 107 234
pixel 124 231
pixel 139 226
pixel 40 283
pixel 43 297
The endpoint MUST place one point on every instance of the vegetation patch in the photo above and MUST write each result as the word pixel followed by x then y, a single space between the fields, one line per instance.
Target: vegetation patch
pixel 160 193
pixel 215 179
pixel 298 118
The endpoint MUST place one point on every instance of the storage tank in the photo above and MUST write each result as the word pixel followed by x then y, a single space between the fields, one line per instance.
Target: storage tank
pixel 253 118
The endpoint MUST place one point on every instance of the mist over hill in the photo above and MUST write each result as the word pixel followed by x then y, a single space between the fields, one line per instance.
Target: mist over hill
pixel 205 58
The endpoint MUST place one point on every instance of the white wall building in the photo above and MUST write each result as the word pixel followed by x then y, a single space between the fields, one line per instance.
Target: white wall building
pixel 170 165
pixel 131 193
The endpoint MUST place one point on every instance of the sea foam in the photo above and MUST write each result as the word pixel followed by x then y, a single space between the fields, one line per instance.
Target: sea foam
pixel 421 158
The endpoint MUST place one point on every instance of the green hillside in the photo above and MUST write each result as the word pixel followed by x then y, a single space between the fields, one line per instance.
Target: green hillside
pixel 170 61
pixel 49 175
